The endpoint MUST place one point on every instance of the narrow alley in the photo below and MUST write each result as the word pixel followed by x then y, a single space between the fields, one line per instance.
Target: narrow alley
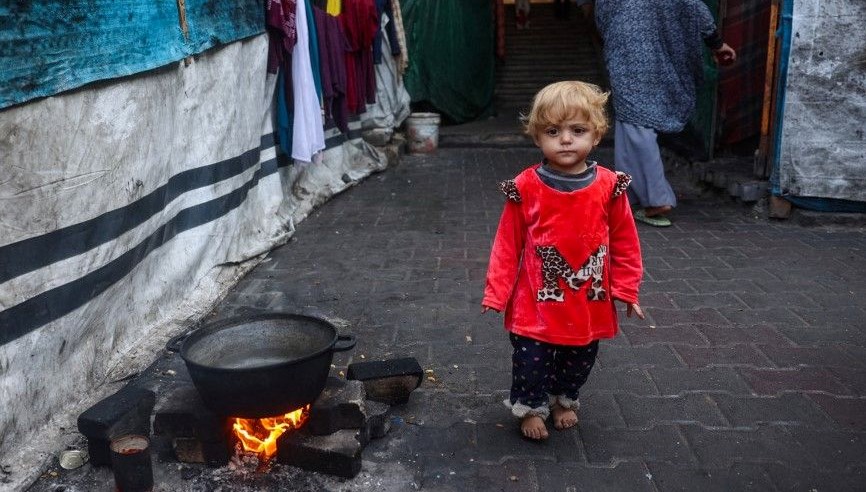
pixel 338 162
pixel 749 372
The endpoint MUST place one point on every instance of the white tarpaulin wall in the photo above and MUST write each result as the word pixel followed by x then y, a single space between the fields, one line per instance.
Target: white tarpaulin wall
pixel 823 151
pixel 127 209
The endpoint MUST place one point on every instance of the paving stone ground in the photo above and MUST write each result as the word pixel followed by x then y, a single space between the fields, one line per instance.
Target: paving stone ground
pixel 749 373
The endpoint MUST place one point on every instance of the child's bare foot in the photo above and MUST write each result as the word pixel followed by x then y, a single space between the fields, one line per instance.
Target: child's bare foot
pixel 532 427
pixel 563 418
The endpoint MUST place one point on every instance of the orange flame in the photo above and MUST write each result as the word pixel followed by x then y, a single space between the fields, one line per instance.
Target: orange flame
pixel 260 435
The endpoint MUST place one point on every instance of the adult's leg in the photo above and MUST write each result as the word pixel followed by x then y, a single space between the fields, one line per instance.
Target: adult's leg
pixel 532 362
pixel 636 152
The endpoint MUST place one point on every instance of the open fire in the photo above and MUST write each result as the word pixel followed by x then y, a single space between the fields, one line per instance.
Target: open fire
pixel 260 435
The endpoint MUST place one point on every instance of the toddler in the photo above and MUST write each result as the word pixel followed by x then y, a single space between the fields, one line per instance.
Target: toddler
pixel 565 249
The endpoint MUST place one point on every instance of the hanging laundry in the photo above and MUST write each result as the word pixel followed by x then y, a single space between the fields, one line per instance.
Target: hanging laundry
pixel 308 135
pixel 332 61
pixel 284 117
pixel 383 9
pixel 314 49
pixel 282 34
pixel 335 7
pixel 360 25
pixel 282 37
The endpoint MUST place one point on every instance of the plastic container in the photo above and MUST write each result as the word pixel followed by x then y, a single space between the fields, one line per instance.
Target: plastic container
pixel 422 132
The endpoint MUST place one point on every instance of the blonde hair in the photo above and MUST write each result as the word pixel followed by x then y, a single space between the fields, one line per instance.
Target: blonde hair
pixel 565 100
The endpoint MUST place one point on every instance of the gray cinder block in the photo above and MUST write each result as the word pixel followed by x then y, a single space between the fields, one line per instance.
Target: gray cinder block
pixel 388 381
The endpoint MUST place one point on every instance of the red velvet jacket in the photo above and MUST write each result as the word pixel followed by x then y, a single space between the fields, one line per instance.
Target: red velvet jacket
pixel 560 258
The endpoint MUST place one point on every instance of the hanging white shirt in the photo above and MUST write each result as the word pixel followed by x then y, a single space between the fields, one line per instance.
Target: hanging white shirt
pixel 308 134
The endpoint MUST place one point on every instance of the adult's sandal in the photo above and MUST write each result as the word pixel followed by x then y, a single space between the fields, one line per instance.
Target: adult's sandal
pixel 655 221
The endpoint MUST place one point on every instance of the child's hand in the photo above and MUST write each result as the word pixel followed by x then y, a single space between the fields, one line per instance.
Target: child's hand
pixel 484 309
pixel 634 308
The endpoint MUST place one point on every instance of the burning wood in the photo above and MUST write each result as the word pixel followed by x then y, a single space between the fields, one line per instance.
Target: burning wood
pixel 260 435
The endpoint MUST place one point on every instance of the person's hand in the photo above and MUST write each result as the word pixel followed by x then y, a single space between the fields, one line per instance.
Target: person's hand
pixel 484 309
pixel 725 55
pixel 634 308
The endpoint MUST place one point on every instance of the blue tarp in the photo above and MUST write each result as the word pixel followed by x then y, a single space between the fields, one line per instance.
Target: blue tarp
pixel 51 46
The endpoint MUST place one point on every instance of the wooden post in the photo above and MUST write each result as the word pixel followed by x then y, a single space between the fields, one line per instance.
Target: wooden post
pixel 184 27
pixel 779 207
pixel 181 10
pixel 763 154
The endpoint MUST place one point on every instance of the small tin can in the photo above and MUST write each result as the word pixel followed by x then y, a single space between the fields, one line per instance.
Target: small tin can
pixel 130 460
pixel 72 459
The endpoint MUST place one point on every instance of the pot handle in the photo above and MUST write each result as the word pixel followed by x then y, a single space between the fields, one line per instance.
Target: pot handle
pixel 344 342
pixel 174 344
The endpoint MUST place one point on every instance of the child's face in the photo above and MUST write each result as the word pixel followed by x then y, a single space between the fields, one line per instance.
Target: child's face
pixel 567 144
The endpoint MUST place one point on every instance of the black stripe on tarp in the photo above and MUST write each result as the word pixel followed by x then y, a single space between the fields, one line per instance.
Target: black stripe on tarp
pixel 268 141
pixel 335 141
pixel 331 142
pixel 50 305
pixel 38 252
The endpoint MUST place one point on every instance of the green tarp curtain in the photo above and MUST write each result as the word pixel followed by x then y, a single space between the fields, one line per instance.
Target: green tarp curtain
pixel 451 55
pixel 704 119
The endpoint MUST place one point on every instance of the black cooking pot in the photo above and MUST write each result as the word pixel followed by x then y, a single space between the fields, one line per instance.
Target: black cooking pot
pixel 262 365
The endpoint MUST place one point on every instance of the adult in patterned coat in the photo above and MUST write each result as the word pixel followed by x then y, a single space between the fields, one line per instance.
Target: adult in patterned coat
pixel 653 52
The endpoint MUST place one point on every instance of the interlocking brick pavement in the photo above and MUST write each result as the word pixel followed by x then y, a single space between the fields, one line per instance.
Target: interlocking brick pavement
pixel 748 374
pixel 751 372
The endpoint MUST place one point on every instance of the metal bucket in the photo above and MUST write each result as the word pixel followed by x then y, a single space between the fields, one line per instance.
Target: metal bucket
pixel 422 132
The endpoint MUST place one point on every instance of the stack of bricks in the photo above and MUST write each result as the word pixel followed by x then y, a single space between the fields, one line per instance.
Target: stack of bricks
pixel 347 415
pixel 342 421
pixel 125 412
pixel 197 434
